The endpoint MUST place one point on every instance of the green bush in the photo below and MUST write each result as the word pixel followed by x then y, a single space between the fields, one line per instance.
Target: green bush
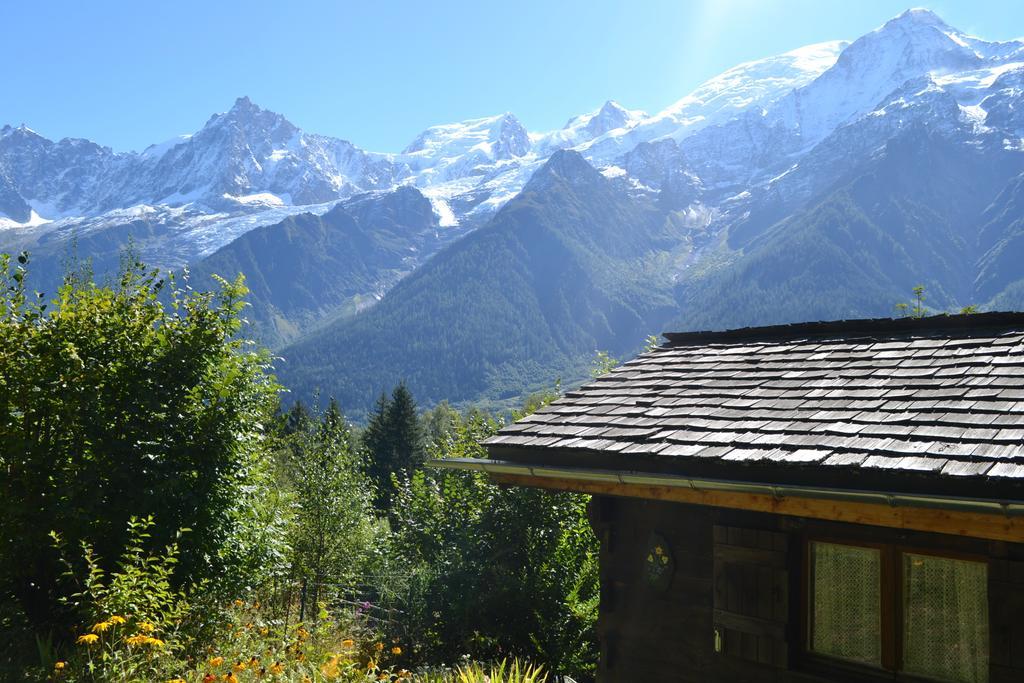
pixel 133 400
pixel 497 571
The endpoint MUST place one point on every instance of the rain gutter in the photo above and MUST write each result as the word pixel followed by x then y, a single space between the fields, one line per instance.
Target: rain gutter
pixel 1007 508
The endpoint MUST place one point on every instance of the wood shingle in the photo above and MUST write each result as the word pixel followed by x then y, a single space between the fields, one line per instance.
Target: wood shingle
pixel 939 397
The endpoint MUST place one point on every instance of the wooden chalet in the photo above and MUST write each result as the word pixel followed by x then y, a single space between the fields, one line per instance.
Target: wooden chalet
pixel 814 502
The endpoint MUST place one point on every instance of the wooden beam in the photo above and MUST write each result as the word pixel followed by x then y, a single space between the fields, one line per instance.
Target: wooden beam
pixel 974 524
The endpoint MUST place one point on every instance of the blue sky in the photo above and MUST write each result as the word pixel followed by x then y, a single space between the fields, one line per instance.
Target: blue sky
pixel 127 74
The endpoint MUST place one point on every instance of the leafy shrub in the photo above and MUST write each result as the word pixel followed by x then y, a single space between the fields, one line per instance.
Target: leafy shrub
pixel 498 571
pixel 129 401
pixel 131 617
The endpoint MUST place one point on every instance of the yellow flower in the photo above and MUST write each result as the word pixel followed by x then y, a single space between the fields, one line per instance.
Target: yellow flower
pixel 239 603
pixel 650 558
pixel 264 631
pixel 146 627
pixel 664 559
pixel 396 650
pixel 276 668
pixel 100 627
pixel 239 666
pixel 330 669
pixel 142 639
pixel 87 639
pixel 216 661
pixel 176 680
pixel 116 620
pixel 348 642
pixel 230 677
pixel 59 666
pixel 658 550
pixel 379 647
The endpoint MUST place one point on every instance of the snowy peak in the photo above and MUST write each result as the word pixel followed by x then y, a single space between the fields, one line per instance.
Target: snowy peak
pixel 252 123
pixel 918 16
pixel 755 83
pixel 609 117
pixel 914 45
pixel 494 137
pixel 744 88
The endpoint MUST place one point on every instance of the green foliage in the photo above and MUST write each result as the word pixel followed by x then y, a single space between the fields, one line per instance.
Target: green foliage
pixel 333 532
pixel 115 405
pixel 141 585
pixel 504 671
pixel 130 617
pixel 130 414
pixel 394 443
pixel 602 364
pixel 498 570
pixel 916 308
pixel 438 423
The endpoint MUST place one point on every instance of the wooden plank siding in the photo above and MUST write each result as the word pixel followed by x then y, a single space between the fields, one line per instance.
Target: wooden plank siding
pixel 649 634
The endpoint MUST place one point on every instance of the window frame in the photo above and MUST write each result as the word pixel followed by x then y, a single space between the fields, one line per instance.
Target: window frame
pixel 891 592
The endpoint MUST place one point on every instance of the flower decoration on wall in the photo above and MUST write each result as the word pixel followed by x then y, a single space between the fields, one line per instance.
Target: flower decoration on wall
pixel 658 563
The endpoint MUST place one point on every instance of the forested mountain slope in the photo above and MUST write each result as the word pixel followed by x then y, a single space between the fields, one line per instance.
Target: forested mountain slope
pixel 563 269
pixel 309 267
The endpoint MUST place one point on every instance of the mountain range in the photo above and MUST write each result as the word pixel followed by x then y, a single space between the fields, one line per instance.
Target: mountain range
pixel 484 260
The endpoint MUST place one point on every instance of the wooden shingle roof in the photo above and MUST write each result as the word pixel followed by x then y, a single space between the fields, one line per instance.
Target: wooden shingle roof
pixel 930 399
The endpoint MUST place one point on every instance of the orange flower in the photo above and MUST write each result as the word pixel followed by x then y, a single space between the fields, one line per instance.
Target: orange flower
pixel 348 642
pixel 209 678
pixel 216 661
pixel 396 650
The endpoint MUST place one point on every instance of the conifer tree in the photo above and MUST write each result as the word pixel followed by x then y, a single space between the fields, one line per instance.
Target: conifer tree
pixel 393 441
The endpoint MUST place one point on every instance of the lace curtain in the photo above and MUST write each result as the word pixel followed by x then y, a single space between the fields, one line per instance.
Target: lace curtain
pixel 945 623
pixel 847 611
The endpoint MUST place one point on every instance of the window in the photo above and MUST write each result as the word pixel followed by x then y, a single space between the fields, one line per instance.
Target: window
pixel 902 611
pixel 945 618
pixel 847 619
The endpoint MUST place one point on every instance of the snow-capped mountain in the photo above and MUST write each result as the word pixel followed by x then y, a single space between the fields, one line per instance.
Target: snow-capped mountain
pixel 774 126
pixel 243 156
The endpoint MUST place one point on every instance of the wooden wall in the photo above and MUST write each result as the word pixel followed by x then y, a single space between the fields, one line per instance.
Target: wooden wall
pixel 667 632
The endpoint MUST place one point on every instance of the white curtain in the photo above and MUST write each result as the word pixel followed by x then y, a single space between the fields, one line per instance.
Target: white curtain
pixel 846 596
pixel 945 618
